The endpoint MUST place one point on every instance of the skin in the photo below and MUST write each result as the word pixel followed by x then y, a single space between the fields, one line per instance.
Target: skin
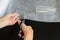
pixel 28 32
pixel 11 19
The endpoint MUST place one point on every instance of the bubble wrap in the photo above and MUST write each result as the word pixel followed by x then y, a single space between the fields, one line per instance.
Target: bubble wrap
pixel 37 10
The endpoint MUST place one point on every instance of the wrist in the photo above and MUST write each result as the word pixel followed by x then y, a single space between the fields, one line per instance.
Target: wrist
pixel 2 23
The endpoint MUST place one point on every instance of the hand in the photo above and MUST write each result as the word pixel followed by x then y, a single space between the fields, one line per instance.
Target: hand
pixel 9 19
pixel 27 31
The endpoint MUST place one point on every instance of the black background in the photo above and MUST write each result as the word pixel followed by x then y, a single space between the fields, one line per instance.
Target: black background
pixel 42 31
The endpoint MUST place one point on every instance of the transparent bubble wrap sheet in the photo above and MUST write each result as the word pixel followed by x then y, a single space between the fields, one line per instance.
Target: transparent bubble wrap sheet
pixel 37 10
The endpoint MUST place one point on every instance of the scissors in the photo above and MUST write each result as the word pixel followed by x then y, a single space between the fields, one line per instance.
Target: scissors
pixel 22 22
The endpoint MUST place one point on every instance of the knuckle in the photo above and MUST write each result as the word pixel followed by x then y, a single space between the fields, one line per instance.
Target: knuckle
pixel 30 29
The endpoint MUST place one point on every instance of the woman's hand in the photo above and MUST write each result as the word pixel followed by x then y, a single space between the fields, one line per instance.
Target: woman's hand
pixel 9 19
pixel 27 31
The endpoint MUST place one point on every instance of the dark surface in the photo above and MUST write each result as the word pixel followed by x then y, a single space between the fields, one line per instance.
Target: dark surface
pixel 42 31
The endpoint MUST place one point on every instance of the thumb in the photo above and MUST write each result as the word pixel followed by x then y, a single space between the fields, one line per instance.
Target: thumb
pixel 24 27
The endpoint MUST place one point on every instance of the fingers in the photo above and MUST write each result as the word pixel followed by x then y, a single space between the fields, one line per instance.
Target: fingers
pixel 20 34
pixel 11 15
pixel 24 27
pixel 15 21
pixel 27 31
pixel 19 22
pixel 12 18
pixel 15 17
